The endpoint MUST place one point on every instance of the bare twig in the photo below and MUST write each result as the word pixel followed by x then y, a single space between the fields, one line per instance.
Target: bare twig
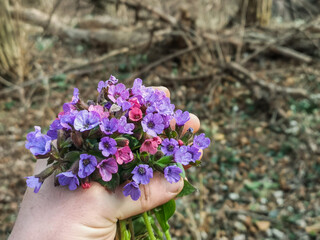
pixel 280 40
pixel 251 80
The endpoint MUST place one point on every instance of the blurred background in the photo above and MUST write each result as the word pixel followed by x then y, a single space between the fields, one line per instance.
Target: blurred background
pixel 249 69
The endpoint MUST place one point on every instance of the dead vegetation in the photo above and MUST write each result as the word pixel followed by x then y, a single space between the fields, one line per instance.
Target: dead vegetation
pixel 249 69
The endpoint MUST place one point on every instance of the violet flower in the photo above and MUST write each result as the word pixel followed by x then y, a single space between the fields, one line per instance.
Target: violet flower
pixel 67 119
pixel 112 80
pixel 53 130
pixel 169 146
pixel 34 182
pixel 101 85
pixel 37 143
pixel 118 91
pixel 109 126
pixel 106 168
pixel 75 97
pixel 133 190
pixel 183 156
pixel 68 178
pixel 195 153
pixel 152 124
pixel 125 105
pixel 172 173
pixel 86 120
pixel 200 141
pixel 142 174
pixel 124 127
pixel 87 165
pixel 181 117
pixel 108 146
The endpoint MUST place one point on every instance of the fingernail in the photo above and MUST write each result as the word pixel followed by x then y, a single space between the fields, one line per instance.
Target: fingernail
pixel 174 187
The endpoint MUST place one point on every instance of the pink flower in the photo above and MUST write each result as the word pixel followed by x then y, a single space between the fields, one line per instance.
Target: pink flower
pixel 135 103
pixel 135 114
pixel 150 145
pixel 124 155
pixel 99 109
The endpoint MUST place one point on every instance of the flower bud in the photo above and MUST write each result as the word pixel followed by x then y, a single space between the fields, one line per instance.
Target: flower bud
pixel 85 185
pixel 158 155
pixel 77 139
pixel 122 142
pixel 46 173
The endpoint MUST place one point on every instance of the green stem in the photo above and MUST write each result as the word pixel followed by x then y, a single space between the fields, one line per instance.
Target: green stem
pixel 168 236
pixel 148 225
pixel 131 229
pixel 157 230
pixel 123 229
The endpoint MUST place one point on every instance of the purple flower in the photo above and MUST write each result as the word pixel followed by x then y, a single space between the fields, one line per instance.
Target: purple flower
pixel 37 143
pixel 118 91
pixel 68 178
pixel 183 156
pixel 75 97
pixel 142 174
pixel 109 126
pixel 125 105
pixel 136 88
pixel 133 190
pixel 101 85
pixel 112 80
pixel 195 153
pixel 87 165
pixel 53 130
pixel 34 182
pixel 172 173
pixel 86 120
pixel 67 120
pixel 107 167
pixel 124 127
pixel 181 117
pixel 165 107
pixel 152 124
pixel 200 141
pixel 166 120
pixel 169 146
pixel 108 146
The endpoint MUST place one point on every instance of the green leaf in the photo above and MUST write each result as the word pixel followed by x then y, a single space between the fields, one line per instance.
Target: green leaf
pixel 96 153
pixel 112 184
pixel 164 213
pixel 72 156
pixel 65 143
pixel 133 142
pixel 187 189
pixel 164 161
pixel 183 174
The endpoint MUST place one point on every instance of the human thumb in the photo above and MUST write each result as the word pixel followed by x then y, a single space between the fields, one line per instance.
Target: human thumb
pixel 155 193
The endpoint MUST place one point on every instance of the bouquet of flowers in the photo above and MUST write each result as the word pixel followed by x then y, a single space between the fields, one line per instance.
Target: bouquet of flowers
pixel 123 137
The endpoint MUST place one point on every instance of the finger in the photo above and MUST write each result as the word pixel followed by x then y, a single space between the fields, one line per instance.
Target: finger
pixel 157 192
pixel 163 89
pixel 194 123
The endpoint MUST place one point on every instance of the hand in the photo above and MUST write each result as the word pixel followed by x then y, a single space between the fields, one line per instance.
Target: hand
pixel 58 213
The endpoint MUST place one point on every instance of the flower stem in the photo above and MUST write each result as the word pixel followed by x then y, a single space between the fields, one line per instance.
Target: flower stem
pixel 148 225
pixel 123 230
pixel 168 236
pixel 157 230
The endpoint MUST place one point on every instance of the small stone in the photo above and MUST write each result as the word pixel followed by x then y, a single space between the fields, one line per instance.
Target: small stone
pixel 234 196
pixel 278 234
pixel 263 200
pixel 263 225
pixel 240 237
pixel 240 226
pixel 278 194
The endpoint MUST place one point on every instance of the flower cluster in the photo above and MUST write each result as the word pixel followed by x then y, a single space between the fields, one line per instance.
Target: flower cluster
pixel 123 136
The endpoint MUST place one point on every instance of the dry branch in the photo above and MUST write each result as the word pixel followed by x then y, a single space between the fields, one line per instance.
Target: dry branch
pixel 252 80
pixel 112 38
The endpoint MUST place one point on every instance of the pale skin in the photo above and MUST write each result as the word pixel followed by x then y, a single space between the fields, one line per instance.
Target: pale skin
pixel 58 213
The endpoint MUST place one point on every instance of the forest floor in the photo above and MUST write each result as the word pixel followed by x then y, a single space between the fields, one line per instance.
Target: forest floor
pixel 260 179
